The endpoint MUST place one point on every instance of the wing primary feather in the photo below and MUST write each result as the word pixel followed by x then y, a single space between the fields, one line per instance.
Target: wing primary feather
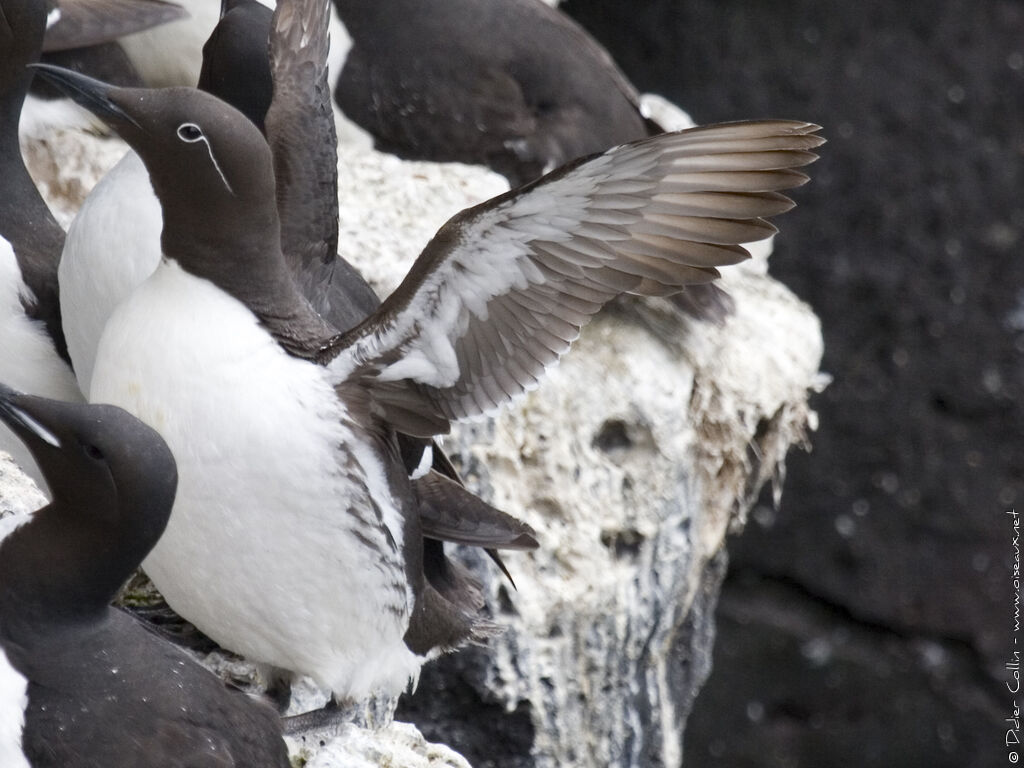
pixel 694 253
pixel 720 204
pixel 729 181
pixel 666 229
pixel 581 252
pixel 526 271
pixel 745 161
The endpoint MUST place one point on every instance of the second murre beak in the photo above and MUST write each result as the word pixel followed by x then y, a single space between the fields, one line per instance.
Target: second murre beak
pixel 17 413
pixel 94 95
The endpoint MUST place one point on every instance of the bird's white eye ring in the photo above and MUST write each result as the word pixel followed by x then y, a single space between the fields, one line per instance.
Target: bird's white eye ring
pixel 189 132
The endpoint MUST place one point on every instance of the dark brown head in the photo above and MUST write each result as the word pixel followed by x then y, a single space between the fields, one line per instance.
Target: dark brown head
pixel 212 170
pixel 113 481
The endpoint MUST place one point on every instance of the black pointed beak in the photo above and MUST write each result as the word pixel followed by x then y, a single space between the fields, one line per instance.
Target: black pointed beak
pixel 94 95
pixel 19 412
pixel 8 397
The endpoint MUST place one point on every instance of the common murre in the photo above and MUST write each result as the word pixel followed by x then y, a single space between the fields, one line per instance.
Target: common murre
pixel 102 688
pixel 498 295
pixel 515 85
pixel 33 353
pixel 113 245
pixel 171 54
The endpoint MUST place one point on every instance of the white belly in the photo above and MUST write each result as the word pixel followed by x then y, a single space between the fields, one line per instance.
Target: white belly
pixel 28 360
pixel 258 553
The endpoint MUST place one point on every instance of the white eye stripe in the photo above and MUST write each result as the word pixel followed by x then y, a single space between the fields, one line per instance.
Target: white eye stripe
pixel 191 133
pixel 42 432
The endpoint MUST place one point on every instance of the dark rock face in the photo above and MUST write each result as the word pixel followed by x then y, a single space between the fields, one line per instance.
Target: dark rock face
pixel 907 244
pixel 799 683
pixel 485 733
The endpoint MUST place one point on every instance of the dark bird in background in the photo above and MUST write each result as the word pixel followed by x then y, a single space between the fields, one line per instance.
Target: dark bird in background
pixel 82 23
pixel 515 85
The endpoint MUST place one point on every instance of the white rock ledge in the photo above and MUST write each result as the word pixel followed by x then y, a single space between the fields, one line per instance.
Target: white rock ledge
pixel 632 461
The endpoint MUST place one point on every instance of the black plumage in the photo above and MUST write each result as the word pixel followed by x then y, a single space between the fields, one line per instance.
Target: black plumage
pixel 515 85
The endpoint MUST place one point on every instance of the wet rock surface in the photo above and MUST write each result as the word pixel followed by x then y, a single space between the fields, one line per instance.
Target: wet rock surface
pixel 893 532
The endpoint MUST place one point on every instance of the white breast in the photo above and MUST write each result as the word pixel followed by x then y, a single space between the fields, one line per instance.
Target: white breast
pixel 28 360
pixel 112 245
pixel 13 700
pixel 258 553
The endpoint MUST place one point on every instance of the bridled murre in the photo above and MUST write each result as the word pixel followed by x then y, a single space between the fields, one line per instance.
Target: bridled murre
pixel 102 688
pixel 107 254
pixel 285 428
pixel 114 244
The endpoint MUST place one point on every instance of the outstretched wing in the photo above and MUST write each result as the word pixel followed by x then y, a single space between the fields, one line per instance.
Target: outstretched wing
pixel 503 289
pixel 300 130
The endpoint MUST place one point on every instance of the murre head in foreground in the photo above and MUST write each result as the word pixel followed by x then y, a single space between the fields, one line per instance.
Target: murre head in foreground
pixel 295 513
pixel 102 689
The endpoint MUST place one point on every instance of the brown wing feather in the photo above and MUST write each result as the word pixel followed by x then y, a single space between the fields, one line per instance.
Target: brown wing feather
pixel 448 512
pixel 504 288
pixel 83 23
pixel 301 133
